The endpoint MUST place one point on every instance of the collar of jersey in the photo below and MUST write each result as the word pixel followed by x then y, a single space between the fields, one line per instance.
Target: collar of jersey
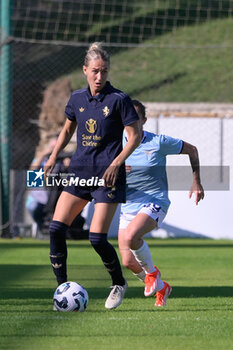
pixel 101 95
pixel 144 136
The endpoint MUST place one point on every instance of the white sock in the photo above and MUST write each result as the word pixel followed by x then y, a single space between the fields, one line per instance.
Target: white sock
pixel 141 275
pixel 144 258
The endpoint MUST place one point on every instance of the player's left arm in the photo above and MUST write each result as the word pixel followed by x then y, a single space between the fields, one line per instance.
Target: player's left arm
pixel 196 187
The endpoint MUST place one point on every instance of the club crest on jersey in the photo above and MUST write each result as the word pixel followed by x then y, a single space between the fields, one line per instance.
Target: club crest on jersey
pixel 81 109
pixel 91 125
pixel 106 111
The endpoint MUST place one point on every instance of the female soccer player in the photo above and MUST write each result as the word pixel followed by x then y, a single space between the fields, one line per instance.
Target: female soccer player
pixel 100 112
pixel 147 202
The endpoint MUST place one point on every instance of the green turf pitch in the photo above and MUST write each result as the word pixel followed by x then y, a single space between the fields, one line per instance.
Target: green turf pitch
pixel 199 313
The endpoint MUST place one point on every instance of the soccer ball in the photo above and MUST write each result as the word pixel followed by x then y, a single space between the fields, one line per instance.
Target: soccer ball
pixel 70 296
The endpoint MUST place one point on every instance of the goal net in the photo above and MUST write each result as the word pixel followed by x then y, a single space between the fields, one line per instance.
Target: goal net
pixel 116 22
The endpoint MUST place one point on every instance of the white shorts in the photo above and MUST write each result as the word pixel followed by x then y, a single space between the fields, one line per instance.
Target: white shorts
pixel 151 209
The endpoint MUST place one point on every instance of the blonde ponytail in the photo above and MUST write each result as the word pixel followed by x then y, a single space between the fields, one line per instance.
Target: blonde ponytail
pixel 94 52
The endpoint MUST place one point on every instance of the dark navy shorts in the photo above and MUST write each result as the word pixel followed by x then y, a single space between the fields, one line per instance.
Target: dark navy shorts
pixel 100 194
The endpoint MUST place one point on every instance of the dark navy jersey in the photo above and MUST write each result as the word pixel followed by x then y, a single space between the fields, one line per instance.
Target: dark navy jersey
pixel 100 123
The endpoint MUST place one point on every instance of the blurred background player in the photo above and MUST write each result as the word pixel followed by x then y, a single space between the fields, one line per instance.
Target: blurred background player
pixel 101 113
pixel 37 199
pixel 147 202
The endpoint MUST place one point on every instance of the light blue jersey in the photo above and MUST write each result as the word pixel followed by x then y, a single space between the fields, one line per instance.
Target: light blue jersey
pixel 147 180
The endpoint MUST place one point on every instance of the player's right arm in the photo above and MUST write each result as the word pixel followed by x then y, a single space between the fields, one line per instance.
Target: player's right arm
pixel 63 139
pixel 196 187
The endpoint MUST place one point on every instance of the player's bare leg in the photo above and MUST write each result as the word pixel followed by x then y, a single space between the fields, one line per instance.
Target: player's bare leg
pixel 132 245
pixel 102 217
pixel 68 207
pixel 128 258
pixel 137 228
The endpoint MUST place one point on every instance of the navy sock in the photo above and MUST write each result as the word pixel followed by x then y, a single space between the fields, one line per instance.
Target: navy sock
pixel 58 250
pixel 108 255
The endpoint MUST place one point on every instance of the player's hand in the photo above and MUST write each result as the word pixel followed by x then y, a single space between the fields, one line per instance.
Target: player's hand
pixel 110 175
pixel 198 192
pixel 50 164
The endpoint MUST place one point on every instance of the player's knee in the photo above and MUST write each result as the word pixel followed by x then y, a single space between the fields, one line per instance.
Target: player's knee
pixel 97 239
pixel 57 227
pixel 130 238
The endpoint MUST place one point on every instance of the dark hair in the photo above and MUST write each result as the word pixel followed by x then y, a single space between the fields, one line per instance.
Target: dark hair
pixel 95 51
pixel 140 108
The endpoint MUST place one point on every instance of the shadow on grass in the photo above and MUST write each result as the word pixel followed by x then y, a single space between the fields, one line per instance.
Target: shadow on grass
pixel 41 293
pixel 155 242
pixel 159 84
pixel 188 292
